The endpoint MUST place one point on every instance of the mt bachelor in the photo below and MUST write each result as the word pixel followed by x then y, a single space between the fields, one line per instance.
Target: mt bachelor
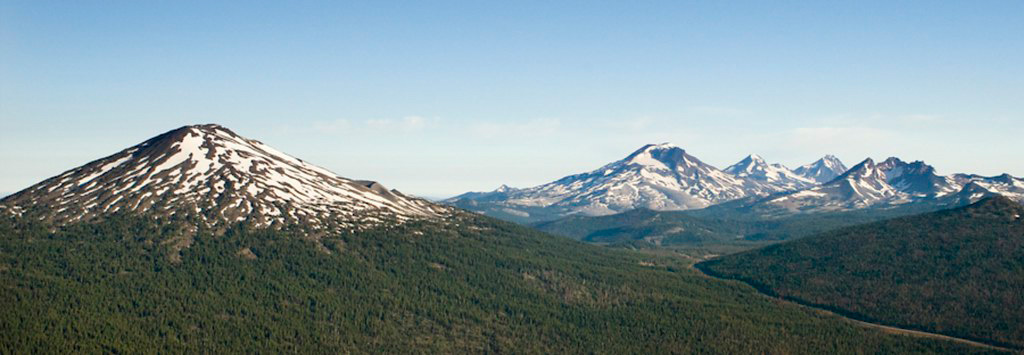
pixel 210 174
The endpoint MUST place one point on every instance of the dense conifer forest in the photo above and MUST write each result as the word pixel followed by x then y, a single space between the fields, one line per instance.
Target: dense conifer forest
pixel 958 272
pixel 471 284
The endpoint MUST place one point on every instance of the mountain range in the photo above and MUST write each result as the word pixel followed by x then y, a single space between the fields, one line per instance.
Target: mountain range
pixel 214 177
pixel 656 177
pixel 776 176
pixel 664 177
pixel 894 182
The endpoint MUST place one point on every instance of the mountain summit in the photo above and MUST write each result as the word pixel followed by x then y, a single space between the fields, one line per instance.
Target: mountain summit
pixel 777 176
pixel 823 170
pixel 917 178
pixel 656 176
pixel 664 156
pixel 209 173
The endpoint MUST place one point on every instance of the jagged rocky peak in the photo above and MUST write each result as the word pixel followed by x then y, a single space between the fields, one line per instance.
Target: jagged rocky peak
pixel 776 176
pixel 831 160
pixel 1005 178
pixel 865 183
pixel 917 178
pixel 895 167
pixel 748 165
pixel 893 182
pixel 823 170
pixel 970 192
pixel 752 165
pixel 866 169
pixel 861 186
pixel 504 188
pixel 1005 184
pixel 210 173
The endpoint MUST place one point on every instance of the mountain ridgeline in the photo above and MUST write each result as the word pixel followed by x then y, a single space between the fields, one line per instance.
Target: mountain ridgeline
pixel 664 177
pixel 958 272
pixel 656 177
pixel 200 240
pixel 823 170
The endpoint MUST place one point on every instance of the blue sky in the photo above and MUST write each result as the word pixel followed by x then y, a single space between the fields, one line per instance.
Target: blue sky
pixel 437 98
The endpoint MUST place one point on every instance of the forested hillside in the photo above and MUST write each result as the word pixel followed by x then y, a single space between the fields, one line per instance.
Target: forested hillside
pixel 958 272
pixel 471 284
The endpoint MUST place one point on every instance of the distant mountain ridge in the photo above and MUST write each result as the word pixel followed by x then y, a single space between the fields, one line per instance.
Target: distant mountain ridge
pixel 895 182
pixel 656 176
pixel 664 177
pixel 775 175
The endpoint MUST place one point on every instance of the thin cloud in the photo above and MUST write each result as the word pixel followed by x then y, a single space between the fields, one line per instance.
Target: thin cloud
pixel 532 128
pixel 879 118
pixel 718 111
pixel 343 125
pixel 335 126
pixel 407 124
pixel 920 118
pixel 632 124
pixel 851 142
pixel 840 135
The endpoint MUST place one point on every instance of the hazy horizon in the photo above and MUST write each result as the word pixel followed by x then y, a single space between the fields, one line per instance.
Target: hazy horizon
pixel 443 98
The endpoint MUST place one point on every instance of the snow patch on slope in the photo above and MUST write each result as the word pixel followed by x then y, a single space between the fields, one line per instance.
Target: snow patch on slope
pixel 208 170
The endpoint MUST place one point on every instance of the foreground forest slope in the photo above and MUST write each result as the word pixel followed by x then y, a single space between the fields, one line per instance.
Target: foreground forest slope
pixel 958 272
pixel 465 284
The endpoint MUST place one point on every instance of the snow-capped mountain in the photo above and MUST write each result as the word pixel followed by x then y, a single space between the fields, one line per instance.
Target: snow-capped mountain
pixel 863 185
pixel 656 176
pixel 917 178
pixel 209 173
pixel 1006 185
pixel 823 170
pixel 775 176
pixel 665 177
pixel 895 182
